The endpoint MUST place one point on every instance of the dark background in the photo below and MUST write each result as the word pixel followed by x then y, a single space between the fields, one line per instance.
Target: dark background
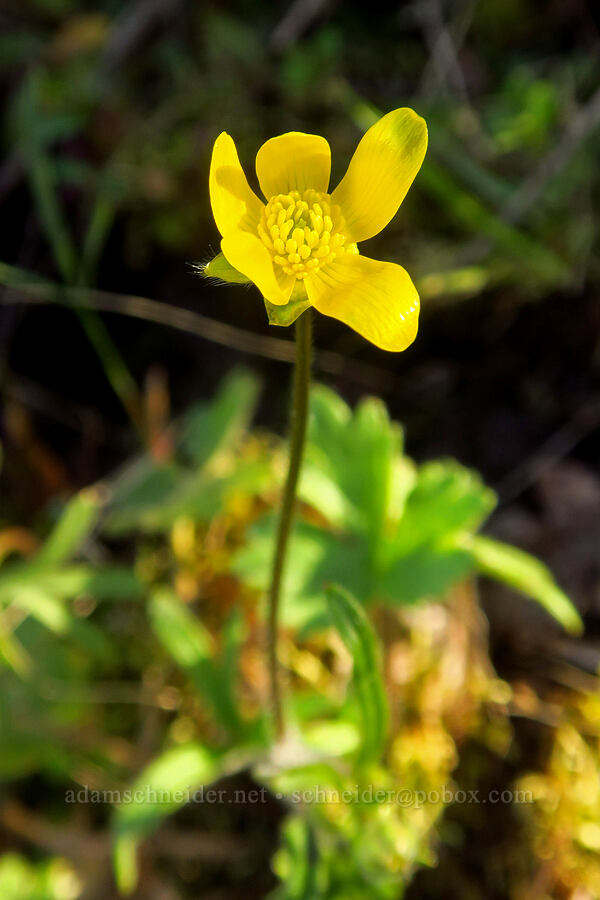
pixel 110 112
pixel 123 102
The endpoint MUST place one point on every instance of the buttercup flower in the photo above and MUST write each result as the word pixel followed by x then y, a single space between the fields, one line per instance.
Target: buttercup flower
pixel 300 248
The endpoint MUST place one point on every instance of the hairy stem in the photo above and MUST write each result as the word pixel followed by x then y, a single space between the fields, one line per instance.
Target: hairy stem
pixel 297 438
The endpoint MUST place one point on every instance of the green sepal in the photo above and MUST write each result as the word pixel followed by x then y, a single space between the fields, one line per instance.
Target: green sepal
pixel 286 315
pixel 221 269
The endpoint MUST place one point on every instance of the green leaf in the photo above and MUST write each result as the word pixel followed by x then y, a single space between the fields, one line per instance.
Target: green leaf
pixel 48 879
pixel 374 441
pixel 315 558
pixel 73 527
pixel 191 645
pixel 424 573
pixel 13 654
pixel 526 574
pixel 211 428
pixel 166 785
pixel 295 862
pixel 137 493
pixel 36 130
pixel 333 737
pixel 43 606
pixel 196 494
pixel 41 173
pixel 320 491
pixel 358 635
pixel 125 863
pixel 398 528
pixel 107 583
pixel 220 269
pixel 356 453
pixel 446 499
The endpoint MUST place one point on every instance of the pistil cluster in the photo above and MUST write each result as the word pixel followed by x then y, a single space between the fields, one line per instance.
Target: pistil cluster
pixel 303 231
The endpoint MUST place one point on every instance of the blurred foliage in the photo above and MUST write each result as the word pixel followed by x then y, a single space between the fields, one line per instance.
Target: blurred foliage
pixel 397 533
pixel 131 614
pixel 379 698
pixel 138 144
pixel 53 880
pixel 566 809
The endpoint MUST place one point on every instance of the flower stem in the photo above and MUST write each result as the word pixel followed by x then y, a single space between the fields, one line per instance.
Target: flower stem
pixel 297 438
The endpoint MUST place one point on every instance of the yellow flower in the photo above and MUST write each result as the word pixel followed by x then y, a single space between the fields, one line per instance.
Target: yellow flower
pixel 302 243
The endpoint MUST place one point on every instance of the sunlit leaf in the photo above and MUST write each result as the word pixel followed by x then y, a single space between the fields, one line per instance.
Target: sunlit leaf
pixel 103 583
pixel 355 452
pixel 446 499
pixel 333 737
pixel 43 606
pixel 316 557
pixel 295 862
pixel 46 879
pixel 526 574
pixel 14 655
pixel 73 527
pixel 166 785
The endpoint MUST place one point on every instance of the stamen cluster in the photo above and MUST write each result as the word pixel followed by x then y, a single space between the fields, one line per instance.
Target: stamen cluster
pixel 303 231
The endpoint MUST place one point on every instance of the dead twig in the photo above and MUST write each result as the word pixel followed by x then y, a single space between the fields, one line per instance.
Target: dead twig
pixel 34 292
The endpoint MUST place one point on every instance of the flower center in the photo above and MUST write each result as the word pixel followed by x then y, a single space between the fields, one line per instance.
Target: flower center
pixel 303 231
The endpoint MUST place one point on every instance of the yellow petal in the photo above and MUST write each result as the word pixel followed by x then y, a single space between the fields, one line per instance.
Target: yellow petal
pixel 293 162
pixel 247 253
pixel 234 204
pixel 380 173
pixel 377 299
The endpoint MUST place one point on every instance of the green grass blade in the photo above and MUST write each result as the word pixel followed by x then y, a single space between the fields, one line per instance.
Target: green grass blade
pixel 357 633
pixel 527 575
pixel 74 526
pixel 166 785
pixel 42 176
